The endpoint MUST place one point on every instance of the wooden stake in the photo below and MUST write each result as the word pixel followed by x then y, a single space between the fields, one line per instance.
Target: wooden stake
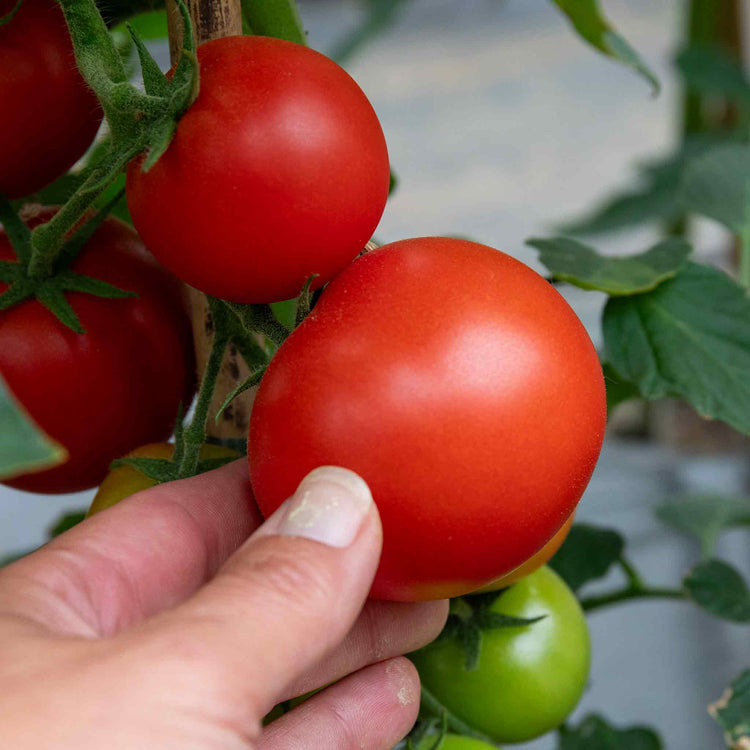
pixel 213 19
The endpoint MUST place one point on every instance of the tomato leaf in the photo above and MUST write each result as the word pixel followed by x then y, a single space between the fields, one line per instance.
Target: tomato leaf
pixel 572 261
pixel 590 23
pixel 158 469
pixel 732 711
pixel 594 733
pixel 711 70
pixel 379 16
pixel 587 554
pixel 66 521
pixel 689 337
pixel 148 25
pixel 280 19
pixel 717 184
pixel 704 516
pixel 23 446
pixel 719 589
pixel 618 389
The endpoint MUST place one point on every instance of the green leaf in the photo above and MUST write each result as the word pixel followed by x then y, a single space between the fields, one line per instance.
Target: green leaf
pixel 618 389
pixel 590 23
pixel 732 712
pixel 654 198
pixel 24 447
pixel 717 184
pixel 150 25
pixel 280 19
pixel 711 70
pixel 66 521
pixel 587 554
pixel 379 16
pixel 689 337
pixel 594 733
pixel 719 589
pixel 704 516
pixel 581 265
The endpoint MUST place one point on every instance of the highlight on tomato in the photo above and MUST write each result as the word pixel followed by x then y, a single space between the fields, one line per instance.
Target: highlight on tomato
pixel 278 171
pixel 461 386
pixel 118 385
pixel 49 115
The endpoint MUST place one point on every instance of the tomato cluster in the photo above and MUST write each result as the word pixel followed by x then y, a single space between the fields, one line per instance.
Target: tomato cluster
pixel 453 378
pixel 118 385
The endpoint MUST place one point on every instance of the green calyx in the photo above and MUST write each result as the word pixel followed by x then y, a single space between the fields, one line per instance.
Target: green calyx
pixel 469 616
pixel 50 289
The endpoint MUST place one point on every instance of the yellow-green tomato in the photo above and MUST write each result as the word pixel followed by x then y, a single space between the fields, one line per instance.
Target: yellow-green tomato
pixel 528 678
pixel 454 742
pixel 127 480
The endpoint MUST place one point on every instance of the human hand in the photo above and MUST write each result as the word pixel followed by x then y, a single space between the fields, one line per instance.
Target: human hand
pixel 159 624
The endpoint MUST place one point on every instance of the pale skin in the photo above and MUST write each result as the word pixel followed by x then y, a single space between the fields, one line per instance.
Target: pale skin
pixel 176 619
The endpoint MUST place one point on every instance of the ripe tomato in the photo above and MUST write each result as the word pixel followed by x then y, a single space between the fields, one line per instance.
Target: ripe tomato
pixel 279 170
pixel 49 114
pixel 453 742
pixel 119 385
pixel 533 563
pixel 125 481
pixel 464 390
pixel 528 678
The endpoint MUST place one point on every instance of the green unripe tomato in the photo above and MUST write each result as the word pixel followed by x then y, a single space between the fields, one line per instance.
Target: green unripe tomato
pixel 528 678
pixel 454 742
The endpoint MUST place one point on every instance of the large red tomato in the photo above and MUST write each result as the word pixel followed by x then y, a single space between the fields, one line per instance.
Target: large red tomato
pixel 49 115
pixel 119 385
pixel 279 170
pixel 464 390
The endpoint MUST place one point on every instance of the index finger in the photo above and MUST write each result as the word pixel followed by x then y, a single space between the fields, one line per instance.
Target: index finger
pixel 146 554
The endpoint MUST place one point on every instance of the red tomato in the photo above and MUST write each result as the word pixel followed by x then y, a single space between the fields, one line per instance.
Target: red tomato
pixel 119 385
pixel 464 390
pixel 278 170
pixel 533 563
pixel 49 115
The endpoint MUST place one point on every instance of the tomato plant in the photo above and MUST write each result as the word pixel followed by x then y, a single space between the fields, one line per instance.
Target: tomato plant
pixel 49 114
pixel 114 387
pixel 529 677
pixel 124 481
pixel 278 171
pixel 461 386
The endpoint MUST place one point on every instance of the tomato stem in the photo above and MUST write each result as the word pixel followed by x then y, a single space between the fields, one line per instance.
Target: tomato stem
pixel 433 706
pixel 591 603
pixel 187 452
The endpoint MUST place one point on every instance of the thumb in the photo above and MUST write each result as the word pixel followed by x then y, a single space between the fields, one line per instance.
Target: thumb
pixel 286 597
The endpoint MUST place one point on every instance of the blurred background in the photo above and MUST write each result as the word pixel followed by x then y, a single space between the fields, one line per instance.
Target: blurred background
pixel 503 125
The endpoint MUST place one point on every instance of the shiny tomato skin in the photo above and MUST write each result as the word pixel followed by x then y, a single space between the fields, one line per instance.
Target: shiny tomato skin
pixel 49 115
pixel 278 170
pixel 113 388
pixel 125 481
pixel 533 563
pixel 528 679
pixel 465 391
